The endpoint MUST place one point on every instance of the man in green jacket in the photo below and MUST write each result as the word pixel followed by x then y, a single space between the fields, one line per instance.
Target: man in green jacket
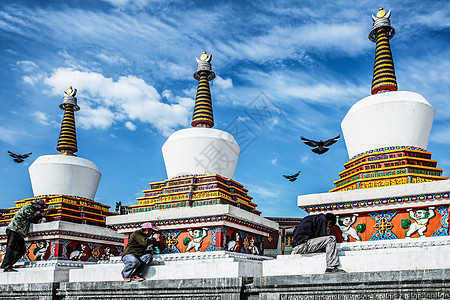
pixel 17 230
pixel 138 253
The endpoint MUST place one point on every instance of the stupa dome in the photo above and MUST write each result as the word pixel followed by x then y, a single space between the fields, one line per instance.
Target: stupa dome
pixel 64 175
pixel 200 150
pixel 397 118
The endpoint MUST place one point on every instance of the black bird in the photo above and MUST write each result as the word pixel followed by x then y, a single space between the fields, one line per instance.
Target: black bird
pixel 18 158
pixel 292 177
pixel 321 146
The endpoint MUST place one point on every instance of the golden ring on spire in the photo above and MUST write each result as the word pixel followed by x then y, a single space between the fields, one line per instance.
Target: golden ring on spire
pixel 381 13
pixel 204 56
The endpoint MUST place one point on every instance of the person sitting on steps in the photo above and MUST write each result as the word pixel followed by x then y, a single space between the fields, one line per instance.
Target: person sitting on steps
pixel 312 235
pixel 138 253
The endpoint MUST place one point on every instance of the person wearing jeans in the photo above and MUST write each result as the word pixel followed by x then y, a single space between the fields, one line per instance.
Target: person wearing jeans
pixel 312 235
pixel 138 253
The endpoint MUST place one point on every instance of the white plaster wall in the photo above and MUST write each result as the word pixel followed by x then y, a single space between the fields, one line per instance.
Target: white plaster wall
pixel 200 151
pixel 388 119
pixel 215 264
pixel 371 256
pixel 64 175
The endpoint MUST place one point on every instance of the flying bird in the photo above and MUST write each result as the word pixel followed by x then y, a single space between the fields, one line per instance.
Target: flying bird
pixel 18 158
pixel 292 177
pixel 321 146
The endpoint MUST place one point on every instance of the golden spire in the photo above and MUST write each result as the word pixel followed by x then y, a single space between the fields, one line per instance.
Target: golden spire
pixel 383 79
pixel 67 142
pixel 203 113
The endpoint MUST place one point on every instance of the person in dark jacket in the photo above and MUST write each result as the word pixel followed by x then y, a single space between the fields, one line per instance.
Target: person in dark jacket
pixel 312 235
pixel 138 253
pixel 18 229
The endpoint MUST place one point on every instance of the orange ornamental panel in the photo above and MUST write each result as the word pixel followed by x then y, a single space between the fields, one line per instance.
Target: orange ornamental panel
pixel 396 224
pixel 194 240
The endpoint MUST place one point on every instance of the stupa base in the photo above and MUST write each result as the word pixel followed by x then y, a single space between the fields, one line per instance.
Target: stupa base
pixel 217 264
pixel 374 256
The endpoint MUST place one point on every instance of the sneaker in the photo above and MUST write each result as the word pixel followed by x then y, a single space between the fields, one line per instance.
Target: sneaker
pixel 10 270
pixel 125 278
pixel 138 278
pixel 334 270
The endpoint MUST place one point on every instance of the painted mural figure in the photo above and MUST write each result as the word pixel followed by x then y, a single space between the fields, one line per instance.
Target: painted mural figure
pixel 2 251
pixel 252 248
pixel 79 253
pixel 233 244
pixel 197 237
pixel 106 254
pixel 41 250
pixel 421 218
pixel 345 225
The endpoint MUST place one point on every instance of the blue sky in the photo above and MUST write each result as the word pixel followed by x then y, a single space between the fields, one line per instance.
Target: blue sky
pixel 132 62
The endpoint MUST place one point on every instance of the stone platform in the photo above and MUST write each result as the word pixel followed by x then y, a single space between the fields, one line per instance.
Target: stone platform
pixel 373 256
pixel 40 272
pixel 411 284
pixel 217 264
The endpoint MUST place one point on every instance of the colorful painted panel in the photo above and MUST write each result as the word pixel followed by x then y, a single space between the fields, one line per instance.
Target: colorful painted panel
pixel 395 224
pixel 39 250
pixel 204 239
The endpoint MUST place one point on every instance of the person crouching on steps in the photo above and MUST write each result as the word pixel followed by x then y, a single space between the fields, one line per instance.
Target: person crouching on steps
pixel 312 235
pixel 138 253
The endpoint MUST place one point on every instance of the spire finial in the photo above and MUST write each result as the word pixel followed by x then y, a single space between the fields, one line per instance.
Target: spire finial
pixel 383 79
pixel 381 13
pixel 67 142
pixel 203 114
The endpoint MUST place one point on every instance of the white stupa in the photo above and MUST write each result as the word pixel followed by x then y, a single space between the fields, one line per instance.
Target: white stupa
pixel 387 118
pixel 201 149
pixel 65 173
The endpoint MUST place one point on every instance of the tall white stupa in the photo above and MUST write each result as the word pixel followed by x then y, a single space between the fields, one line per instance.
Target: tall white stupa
pixel 199 207
pixel 387 118
pixel 198 150
pixel 65 173
pixel 75 223
pixel 390 187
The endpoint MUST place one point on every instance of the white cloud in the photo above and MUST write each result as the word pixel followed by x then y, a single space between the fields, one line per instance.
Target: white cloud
pixel 112 59
pixel 243 119
pixel 130 126
pixel 441 135
pixel 43 119
pixel 27 66
pixel 167 94
pixel 433 19
pixel 262 191
pixel 104 100
pixel 34 74
pixel 304 158
pixel 100 117
pixel 288 42
pixel 129 3
pixel 274 161
pixel 12 136
pixel 222 83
